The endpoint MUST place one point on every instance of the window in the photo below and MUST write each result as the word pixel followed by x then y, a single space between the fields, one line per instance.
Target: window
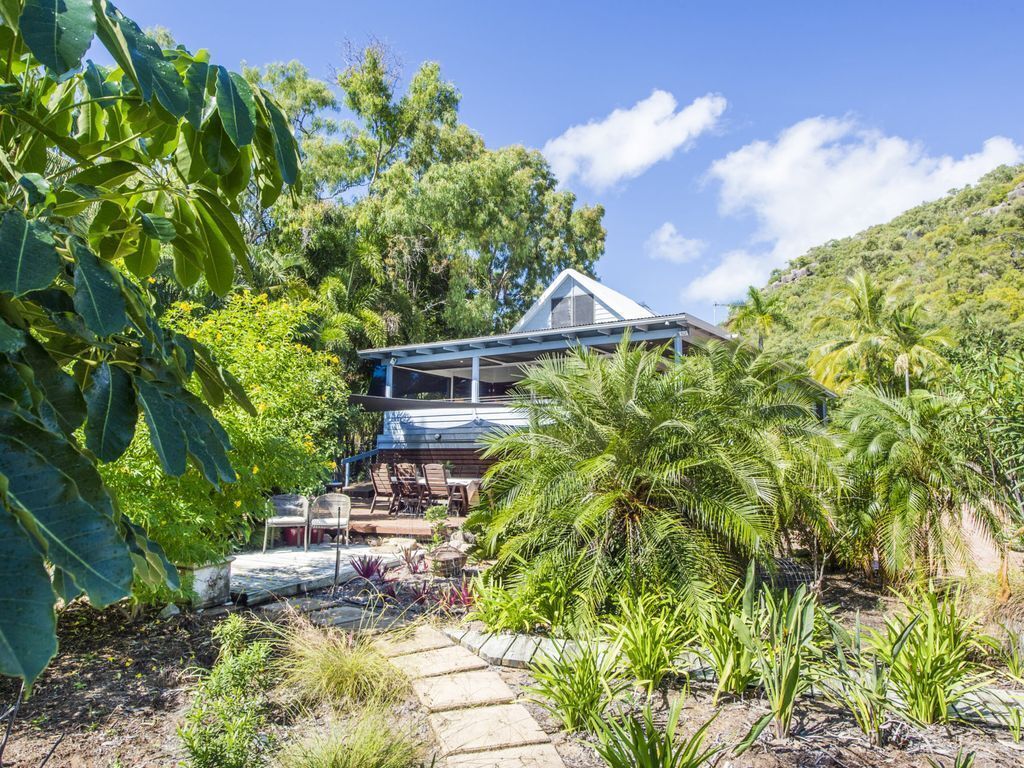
pixel 583 309
pixel 561 312
pixel 577 309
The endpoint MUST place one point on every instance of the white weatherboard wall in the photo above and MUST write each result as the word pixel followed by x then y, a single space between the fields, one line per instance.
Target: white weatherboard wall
pixel 443 427
pixel 542 320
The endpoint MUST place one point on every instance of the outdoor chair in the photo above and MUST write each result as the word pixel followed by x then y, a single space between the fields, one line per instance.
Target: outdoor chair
pixel 290 511
pixel 330 511
pixel 384 487
pixel 409 490
pixel 438 491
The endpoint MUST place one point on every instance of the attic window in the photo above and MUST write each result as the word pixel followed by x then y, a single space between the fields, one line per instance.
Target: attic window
pixel 561 312
pixel 577 309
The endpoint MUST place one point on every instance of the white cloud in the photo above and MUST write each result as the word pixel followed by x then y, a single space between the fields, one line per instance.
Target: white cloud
pixel 729 278
pixel 629 141
pixel 667 244
pixel 826 178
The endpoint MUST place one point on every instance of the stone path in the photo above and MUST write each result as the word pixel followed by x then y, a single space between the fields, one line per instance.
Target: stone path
pixel 472 711
pixel 257 577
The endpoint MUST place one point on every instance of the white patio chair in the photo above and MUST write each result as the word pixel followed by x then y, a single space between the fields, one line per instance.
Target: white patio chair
pixel 330 511
pixel 290 511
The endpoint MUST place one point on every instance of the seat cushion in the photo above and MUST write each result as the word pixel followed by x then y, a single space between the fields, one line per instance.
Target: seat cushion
pixel 328 522
pixel 285 520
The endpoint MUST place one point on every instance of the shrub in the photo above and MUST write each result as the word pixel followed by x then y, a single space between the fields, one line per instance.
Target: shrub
pixel 785 651
pixel 369 567
pixel 226 723
pixel 579 684
pixel 318 665
pixel 372 741
pixel 936 667
pixel 437 516
pixel 502 608
pixel 858 679
pixel 637 743
pixel 286 445
pixel 724 625
pixel 651 634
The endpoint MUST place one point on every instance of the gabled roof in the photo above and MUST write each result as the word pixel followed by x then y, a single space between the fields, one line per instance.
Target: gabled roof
pixel 623 307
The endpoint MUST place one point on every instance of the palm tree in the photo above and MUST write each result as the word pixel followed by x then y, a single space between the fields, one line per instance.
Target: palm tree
pixel 914 343
pixel 637 473
pixel 914 483
pixel 761 313
pixel 859 314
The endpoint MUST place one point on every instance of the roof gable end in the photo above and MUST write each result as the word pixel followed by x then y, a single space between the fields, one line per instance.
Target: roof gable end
pixel 618 306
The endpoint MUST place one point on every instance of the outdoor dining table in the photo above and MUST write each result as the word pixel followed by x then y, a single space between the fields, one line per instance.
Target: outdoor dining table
pixel 465 487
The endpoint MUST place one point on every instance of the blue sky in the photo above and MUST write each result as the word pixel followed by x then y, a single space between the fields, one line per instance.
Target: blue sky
pixel 744 133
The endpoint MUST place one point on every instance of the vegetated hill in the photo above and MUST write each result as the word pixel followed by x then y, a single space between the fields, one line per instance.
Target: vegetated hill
pixel 964 254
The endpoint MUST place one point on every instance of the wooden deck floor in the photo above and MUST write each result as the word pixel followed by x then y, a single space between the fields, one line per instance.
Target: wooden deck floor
pixel 380 523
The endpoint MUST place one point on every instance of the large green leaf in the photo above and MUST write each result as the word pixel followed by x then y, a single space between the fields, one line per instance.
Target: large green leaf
pixel 195 83
pixel 58 32
pixel 219 153
pixel 112 412
pixel 156 74
pixel 43 472
pixel 28 624
pixel 11 339
pixel 165 433
pixel 28 257
pixel 284 143
pixel 105 174
pixel 218 266
pixel 236 107
pixel 61 393
pixel 98 298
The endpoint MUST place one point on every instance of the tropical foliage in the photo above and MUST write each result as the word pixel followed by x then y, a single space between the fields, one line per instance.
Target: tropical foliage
pixel 637 473
pixel 960 255
pixel 105 169
pixel 286 445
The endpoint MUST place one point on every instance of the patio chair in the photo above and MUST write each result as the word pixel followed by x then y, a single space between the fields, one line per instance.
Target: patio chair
pixel 437 488
pixel 384 487
pixel 409 491
pixel 290 511
pixel 330 511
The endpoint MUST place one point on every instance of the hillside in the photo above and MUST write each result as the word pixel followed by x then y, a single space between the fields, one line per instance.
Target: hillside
pixel 963 253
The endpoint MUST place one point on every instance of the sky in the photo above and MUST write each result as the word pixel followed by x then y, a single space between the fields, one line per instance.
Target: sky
pixel 723 139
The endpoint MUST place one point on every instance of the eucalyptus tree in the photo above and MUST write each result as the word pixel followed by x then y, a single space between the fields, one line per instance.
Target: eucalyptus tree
pixel 405 202
pixel 636 473
pixel 105 171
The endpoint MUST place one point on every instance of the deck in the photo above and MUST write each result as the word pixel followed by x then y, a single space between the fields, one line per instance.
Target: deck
pixel 381 524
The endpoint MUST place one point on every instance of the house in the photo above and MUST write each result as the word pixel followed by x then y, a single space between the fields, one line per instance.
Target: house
pixel 438 398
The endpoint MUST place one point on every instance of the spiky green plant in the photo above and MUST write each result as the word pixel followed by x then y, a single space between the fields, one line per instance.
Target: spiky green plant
pixel 786 653
pixel 724 625
pixel 652 633
pixel 937 667
pixel 579 684
pixel 638 743
pixel 635 472
pixel 859 679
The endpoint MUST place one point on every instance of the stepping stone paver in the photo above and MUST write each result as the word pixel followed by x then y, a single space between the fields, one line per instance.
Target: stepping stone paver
pixel 442 661
pixel 533 756
pixel 485 728
pixel 422 639
pixel 494 648
pixel 474 639
pixel 344 616
pixel 466 689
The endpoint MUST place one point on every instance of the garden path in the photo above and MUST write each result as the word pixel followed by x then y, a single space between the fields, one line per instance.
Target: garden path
pixel 472 711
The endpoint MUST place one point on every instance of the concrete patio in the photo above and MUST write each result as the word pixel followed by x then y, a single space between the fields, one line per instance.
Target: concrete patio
pixel 257 577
